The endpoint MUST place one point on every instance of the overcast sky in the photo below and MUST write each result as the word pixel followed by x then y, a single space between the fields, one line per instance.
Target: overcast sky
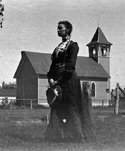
pixel 32 26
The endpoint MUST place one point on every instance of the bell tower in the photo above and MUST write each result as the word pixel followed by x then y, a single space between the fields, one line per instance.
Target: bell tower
pixel 99 49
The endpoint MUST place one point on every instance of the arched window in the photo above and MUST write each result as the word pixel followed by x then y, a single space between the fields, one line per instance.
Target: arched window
pixel 93 89
pixel 94 52
pixel 104 52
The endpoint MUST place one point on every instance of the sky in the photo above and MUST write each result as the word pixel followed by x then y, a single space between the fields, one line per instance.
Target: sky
pixel 32 26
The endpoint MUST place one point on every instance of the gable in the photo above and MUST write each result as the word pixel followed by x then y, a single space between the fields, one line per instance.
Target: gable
pixel 25 64
pixel 85 67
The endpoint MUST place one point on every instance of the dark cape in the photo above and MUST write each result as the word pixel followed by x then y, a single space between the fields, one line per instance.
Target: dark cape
pixel 70 119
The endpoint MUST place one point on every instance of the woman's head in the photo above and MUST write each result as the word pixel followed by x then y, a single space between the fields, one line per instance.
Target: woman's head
pixel 64 28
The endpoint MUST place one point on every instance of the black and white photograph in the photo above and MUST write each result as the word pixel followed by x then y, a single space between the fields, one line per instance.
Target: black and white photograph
pixel 62 75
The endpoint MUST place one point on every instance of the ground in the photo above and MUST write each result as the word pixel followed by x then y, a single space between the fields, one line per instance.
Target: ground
pixel 23 129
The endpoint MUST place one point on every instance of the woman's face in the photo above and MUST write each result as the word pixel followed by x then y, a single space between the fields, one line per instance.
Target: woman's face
pixel 62 31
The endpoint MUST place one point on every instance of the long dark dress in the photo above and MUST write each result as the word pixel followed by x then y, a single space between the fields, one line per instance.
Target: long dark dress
pixel 70 119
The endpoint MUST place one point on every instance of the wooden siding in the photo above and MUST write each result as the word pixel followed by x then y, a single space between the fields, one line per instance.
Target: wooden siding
pixel 27 85
pixel 100 92
pixel 42 87
pixel 105 61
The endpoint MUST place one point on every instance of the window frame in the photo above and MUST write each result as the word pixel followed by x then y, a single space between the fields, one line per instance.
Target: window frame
pixel 92 89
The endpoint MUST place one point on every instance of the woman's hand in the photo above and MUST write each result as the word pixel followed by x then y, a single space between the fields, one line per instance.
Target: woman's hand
pixel 51 82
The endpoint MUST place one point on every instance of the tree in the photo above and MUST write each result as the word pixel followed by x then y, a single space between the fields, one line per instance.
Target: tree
pixel 1 14
pixel 10 85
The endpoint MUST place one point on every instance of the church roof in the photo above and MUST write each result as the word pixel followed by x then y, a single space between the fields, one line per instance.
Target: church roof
pixel 85 67
pixel 7 92
pixel 99 38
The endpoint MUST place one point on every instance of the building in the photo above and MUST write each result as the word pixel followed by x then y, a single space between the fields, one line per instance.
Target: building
pixel 31 73
pixel 9 94
pixel 99 50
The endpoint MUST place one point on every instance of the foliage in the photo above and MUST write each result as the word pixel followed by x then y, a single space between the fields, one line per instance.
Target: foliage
pixel 8 104
pixel 10 85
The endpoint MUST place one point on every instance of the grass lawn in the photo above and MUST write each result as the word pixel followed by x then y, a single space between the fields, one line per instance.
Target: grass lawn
pixel 22 130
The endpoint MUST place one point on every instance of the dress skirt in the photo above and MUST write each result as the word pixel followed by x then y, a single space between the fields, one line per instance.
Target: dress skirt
pixel 70 119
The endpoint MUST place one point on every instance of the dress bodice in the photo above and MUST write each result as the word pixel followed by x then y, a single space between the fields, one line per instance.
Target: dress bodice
pixel 63 62
pixel 60 58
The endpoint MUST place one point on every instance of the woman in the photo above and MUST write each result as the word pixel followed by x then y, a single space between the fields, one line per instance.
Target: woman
pixel 69 119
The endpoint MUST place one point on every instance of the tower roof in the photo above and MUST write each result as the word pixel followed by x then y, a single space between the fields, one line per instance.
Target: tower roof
pixel 99 38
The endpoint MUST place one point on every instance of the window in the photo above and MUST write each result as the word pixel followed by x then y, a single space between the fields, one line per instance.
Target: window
pixel 93 89
pixel 94 53
pixel 104 52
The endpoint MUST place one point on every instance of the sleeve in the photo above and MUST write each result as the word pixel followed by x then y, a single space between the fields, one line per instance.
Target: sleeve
pixel 50 73
pixel 70 62
pixel 72 56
